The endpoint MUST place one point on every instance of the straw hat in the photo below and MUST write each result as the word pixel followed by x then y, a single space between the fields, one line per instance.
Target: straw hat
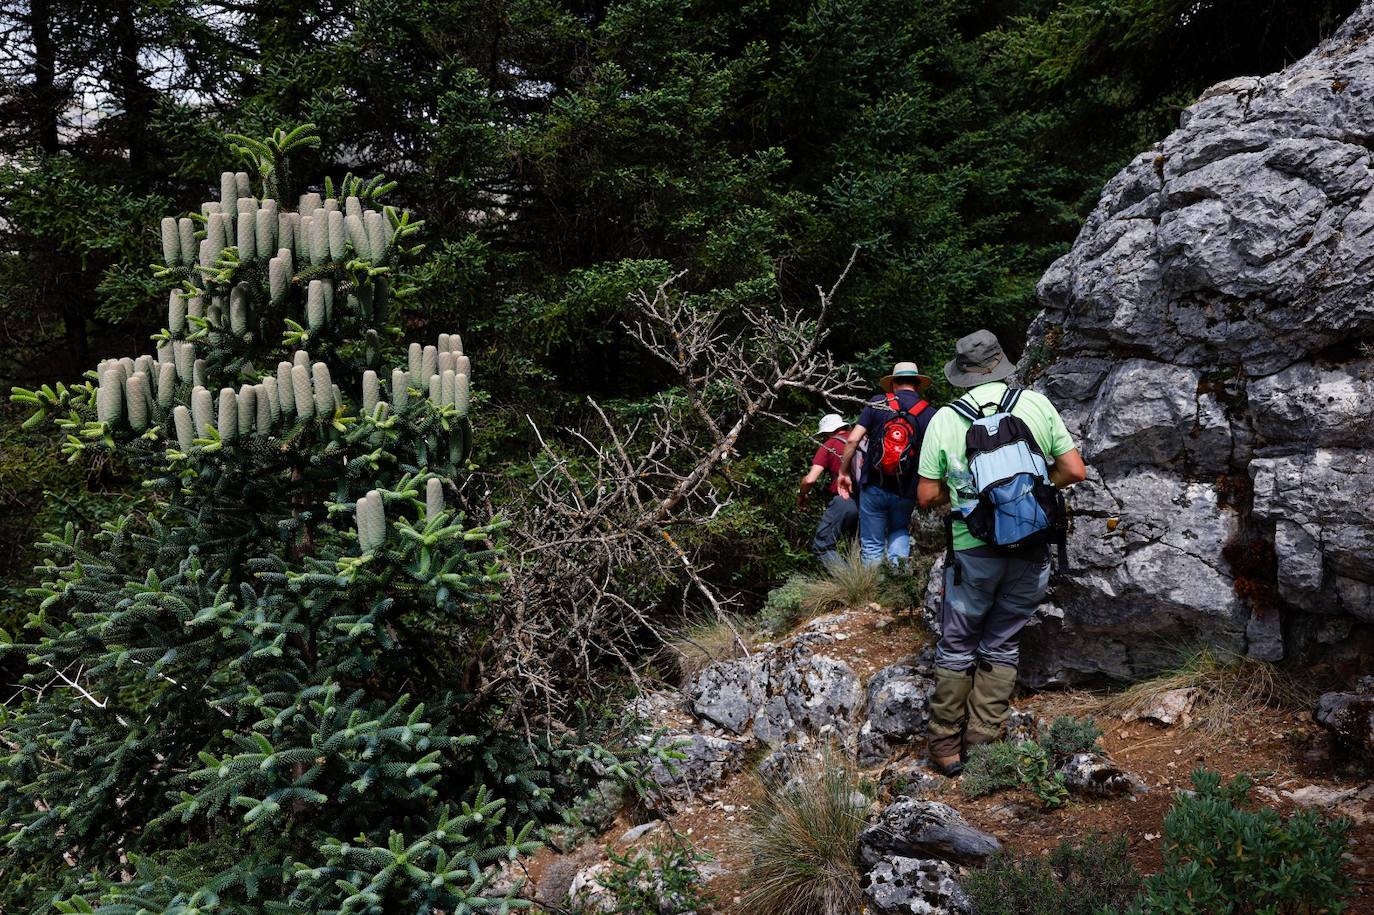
pixel 905 373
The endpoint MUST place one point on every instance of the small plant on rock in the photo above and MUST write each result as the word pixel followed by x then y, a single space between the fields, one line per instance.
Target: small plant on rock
pixel 1068 736
pixel 665 880
pixel 998 766
pixel 1078 878
pixel 1221 856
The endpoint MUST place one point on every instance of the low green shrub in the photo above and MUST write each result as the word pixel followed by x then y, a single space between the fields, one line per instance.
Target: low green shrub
pixel 782 609
pixel 664 880
pixel 1078 878
pixel 1222 856
pixel 1067 736
pixel 997 766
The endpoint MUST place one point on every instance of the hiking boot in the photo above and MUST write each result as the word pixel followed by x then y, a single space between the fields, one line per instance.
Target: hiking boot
pixel 948 712
pixel 973 738
pixel 943 754
pixel 990 701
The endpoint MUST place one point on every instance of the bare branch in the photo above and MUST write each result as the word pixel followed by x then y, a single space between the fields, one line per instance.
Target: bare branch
pixel 599 526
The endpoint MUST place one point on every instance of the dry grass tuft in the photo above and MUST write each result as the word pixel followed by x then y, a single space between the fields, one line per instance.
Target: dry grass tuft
pixel 1228 686
pixel 801 840
pixel 704 642
pixel 849 584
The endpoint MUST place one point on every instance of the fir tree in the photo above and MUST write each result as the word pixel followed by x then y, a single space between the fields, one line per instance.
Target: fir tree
pixel 236 695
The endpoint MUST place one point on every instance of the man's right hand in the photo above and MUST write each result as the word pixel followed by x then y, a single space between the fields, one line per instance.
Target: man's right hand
pixel 844 485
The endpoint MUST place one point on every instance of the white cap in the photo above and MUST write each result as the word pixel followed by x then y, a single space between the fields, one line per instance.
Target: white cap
pixel 829 423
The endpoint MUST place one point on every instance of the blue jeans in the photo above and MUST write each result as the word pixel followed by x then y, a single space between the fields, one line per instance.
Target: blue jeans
pixel 884 526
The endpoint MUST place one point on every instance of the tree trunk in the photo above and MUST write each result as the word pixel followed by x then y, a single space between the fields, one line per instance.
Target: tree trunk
pixel 133 92
pixel 44 75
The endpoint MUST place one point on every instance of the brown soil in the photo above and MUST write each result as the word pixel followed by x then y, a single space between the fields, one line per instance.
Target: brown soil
pixel 1280 750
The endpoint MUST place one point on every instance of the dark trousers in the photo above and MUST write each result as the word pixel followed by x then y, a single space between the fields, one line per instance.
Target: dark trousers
pixel 840 519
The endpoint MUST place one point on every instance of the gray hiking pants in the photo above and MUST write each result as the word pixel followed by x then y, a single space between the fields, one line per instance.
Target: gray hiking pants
pixel 984 613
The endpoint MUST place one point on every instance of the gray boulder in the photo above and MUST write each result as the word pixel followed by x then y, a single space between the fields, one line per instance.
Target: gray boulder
pixel 915 828
pixel 898 709
pixel 910 777
pixel 813 694
pixel 1097 776
pixel 915 886
pixel 1350 719
pixel 729 693
pixel 1201 340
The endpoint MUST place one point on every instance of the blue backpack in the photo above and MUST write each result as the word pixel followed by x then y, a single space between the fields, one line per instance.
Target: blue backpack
pixel 1017 506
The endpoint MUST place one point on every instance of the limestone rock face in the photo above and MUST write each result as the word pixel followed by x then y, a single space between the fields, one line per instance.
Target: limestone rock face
pixel 898 705
pixel 707 761
pixel 1208 342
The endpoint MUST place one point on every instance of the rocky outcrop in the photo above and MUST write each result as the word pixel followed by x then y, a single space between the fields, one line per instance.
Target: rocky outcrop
pixel 783 691
pixel 1350 719
pixel 705 761
pixel 898 708
pixel 1207 340
pixel 1095 775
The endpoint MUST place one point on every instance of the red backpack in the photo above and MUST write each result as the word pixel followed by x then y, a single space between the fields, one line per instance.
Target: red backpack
pixel 900 450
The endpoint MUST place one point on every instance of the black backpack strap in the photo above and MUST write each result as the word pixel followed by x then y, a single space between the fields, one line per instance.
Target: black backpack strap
pixel 1009 399
pixel 1062 534
pixel 965 410
pixel 950 562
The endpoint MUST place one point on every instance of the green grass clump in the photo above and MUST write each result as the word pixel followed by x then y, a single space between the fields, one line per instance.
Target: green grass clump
pixel 801 840
pixel 851 583
pixel 706 641
pixel 1229 686
pixel 1085 877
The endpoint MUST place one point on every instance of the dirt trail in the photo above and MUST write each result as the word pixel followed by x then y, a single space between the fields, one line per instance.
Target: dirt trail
pixel 1281 751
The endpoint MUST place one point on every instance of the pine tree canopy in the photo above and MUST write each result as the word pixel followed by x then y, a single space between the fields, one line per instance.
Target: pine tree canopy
pixel 238 696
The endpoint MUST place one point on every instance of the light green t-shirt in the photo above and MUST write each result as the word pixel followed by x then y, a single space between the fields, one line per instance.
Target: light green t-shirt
pixel 942 451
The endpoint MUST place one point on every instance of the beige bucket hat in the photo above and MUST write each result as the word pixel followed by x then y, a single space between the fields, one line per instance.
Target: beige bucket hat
pixel 906 373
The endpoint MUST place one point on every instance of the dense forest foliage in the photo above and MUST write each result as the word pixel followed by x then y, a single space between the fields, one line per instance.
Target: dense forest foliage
pixel 564 154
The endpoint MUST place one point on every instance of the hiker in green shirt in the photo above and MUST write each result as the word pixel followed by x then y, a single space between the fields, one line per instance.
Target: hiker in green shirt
pixel 990 592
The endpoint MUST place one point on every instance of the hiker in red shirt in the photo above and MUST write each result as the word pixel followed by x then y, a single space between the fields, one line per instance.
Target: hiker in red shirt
pixel 841 515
